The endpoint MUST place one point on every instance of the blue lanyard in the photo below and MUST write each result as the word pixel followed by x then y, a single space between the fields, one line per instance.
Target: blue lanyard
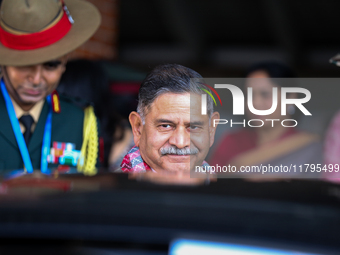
pixel 20 138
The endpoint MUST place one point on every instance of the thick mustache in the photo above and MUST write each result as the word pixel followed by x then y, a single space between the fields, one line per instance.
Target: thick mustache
pixel 176 151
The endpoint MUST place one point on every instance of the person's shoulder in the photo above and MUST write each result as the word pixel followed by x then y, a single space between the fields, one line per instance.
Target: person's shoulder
pixel 335 122
pixel 70 106
pixel 308 136
pixel 69 113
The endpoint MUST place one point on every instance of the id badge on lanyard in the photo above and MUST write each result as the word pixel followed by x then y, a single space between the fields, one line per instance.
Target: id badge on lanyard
pixel 20 138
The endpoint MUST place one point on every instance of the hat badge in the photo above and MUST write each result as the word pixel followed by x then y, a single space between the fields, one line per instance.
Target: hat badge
pixel 68 14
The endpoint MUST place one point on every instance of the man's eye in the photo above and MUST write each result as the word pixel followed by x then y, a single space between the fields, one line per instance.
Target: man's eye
pixel 165 126
pixel 194 128
pixel 52 64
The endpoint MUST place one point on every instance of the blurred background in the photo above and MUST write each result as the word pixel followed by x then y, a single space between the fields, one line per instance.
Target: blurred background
pixel 218 38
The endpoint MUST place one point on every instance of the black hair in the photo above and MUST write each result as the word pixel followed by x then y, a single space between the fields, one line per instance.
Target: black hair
pixel 274 69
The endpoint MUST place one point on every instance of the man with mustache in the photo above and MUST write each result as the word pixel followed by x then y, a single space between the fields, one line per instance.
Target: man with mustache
pixel 170 133
pixel 38 129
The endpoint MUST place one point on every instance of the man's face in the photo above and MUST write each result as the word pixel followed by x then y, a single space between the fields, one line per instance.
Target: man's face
pixel 31 84
pixel 170 125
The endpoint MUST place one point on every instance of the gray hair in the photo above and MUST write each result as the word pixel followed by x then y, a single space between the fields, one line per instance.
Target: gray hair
pixel 170 78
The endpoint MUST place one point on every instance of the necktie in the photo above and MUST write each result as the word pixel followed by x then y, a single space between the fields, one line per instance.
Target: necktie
pixel 27 121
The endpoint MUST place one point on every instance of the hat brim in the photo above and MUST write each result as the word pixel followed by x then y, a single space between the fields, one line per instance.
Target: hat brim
pixel 86 21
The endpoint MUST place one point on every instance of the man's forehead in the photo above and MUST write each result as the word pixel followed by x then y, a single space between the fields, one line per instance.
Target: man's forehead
pixel 177 107
pixel 62 59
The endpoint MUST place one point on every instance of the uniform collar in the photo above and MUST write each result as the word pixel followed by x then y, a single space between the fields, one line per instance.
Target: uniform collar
pixel 34 111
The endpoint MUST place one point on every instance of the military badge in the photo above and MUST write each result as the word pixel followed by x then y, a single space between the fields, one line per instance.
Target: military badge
pixel 64 154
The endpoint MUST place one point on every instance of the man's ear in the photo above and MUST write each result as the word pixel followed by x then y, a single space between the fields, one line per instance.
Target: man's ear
pixel 212 129
pixel 137 126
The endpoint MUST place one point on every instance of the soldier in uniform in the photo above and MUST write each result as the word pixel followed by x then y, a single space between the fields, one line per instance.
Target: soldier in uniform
pixel 38 129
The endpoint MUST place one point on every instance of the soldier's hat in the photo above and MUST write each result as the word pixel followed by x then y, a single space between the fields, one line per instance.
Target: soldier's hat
pixel 36 31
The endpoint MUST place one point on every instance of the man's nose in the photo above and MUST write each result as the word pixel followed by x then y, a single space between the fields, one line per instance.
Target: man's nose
pixel 180 138
pixel 36 74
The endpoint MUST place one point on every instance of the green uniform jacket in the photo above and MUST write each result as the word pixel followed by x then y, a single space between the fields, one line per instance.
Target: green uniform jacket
pixel 67 127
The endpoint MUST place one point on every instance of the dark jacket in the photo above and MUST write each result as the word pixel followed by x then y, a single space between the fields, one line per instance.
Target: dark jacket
pixel 67 127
